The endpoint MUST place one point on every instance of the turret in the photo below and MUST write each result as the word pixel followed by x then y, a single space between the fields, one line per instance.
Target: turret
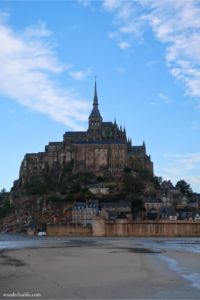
pixel 95 118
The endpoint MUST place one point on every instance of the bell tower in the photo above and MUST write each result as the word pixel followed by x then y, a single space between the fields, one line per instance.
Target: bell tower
pixel 95 119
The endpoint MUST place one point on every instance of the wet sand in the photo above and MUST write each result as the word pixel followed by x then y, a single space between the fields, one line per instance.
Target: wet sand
pixel 100 269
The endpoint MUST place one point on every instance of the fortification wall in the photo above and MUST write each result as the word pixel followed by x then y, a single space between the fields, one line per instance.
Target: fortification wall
pixel 146 228
pixel 68 230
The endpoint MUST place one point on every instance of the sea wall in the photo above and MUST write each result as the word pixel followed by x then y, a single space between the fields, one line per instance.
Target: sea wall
pixel 128 228
pixel 68 230
pixel 146 228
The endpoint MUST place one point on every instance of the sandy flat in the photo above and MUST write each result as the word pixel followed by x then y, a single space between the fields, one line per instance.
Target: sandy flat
pixel 92 270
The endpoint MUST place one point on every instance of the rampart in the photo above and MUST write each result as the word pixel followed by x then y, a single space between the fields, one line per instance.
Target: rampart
pixel 68 230
pixel 127 228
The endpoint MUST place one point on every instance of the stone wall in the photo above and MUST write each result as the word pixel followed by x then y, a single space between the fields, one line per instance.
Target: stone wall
pixel 145 228
pixel 68 230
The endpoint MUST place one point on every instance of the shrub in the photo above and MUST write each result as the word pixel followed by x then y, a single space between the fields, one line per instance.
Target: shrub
pixel 112 186
pixel 35 186
pixel 4 210
pixel 54 198
pixel 126 169
pixel 100 178
pixel 76 187
pixel 69 198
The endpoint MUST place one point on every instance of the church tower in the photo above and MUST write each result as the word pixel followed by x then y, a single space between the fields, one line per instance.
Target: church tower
pixel 95 119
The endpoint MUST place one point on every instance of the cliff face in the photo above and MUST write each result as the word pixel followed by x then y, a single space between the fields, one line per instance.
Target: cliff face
pixel 34 208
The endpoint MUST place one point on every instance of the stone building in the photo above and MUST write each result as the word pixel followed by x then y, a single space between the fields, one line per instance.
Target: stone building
pixel 98 188
pixel 103 147
pixel 152 203
pixel 84 213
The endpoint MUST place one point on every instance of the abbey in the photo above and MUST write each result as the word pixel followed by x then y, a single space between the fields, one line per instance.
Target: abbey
pixel 104 147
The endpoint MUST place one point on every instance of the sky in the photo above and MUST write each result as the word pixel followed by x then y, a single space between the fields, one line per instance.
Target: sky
pixel 145 54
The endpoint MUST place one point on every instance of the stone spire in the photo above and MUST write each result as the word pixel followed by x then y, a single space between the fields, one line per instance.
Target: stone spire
pixel 95 102
pixel 95 111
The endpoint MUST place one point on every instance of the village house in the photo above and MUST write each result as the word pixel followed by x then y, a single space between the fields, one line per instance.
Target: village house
pixel 168 213
pixel 166 184
pixel 197 215
pixel 193 203
pixel 113 215
pixel 179 200
pixel 31 230
pixel 84 213
pixel 165 196
pixel 124 206
pixel 98 189
pixel 152 202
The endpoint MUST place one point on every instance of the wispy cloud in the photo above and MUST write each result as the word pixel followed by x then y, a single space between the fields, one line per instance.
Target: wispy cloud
pixel 182 166
pixel 153 103
pixel 165 98
pixel 80 75
pixel 11 111
pixel 120 70
pixel 175 24
pixel 124 45
pixel 29 66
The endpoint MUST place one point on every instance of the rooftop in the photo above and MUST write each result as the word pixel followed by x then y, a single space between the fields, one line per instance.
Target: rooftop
pixel 98 186
pixel 75 133
pixel 113 205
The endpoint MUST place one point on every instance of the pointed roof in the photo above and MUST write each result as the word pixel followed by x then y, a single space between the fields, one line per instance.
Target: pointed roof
pixel 95 113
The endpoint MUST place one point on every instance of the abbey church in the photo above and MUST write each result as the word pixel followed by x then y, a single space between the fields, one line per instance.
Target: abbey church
pixel 104 147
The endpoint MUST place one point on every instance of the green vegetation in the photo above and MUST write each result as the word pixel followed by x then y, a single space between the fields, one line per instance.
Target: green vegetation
pixel 54 198
pixel 69 198
pixel 76 187
pixel 100 179
pixel 127 170
pixel 112 186
pixel 137 166
pixel 5 210
pixel 145 175
pixel 185 187
pixel 35 186
pixel 14 185
pixel 2 194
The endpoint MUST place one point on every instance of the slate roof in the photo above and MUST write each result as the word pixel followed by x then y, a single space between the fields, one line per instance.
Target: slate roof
pixel 95 113
pixel 107 124
pixel 80 206
pixel 137 148
pixel 75 133
pixel 32 225
pixel 167 210
pixel 151 200
pixel 113 205
pixel 192 201
pixel 174 188
pixel 100 142
pixel 55 143
pixel 96 186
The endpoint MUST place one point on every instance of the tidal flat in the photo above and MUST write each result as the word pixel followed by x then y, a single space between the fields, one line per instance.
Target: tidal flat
pixel 100 268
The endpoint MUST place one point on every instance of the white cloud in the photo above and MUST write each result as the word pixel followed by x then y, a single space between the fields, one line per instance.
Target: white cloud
pixel 123 45
pixel 120 70
pixel 165 98
pixel 80 75
pixel 153 103
pixel 182 166
pixel 174 23
pixel 29 66
pixel 11 111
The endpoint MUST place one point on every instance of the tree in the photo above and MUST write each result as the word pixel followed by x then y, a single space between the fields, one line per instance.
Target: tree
pixel 55 198
pixel 35 186
pixel 145 175
pixel 138 184
pixel 2 194
pixel 69 198
pixel 185 187
pixel 76 187
pixel 136 204
pixel 137 166
pixel 127 170
pixel 100 178
pixel 157 180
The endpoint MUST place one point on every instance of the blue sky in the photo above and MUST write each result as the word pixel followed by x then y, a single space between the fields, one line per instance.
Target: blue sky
pixel 145 55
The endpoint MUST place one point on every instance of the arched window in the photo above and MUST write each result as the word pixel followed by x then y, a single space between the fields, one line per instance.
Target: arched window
pixel 92 122
pixel 98 122
pixel 95 122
